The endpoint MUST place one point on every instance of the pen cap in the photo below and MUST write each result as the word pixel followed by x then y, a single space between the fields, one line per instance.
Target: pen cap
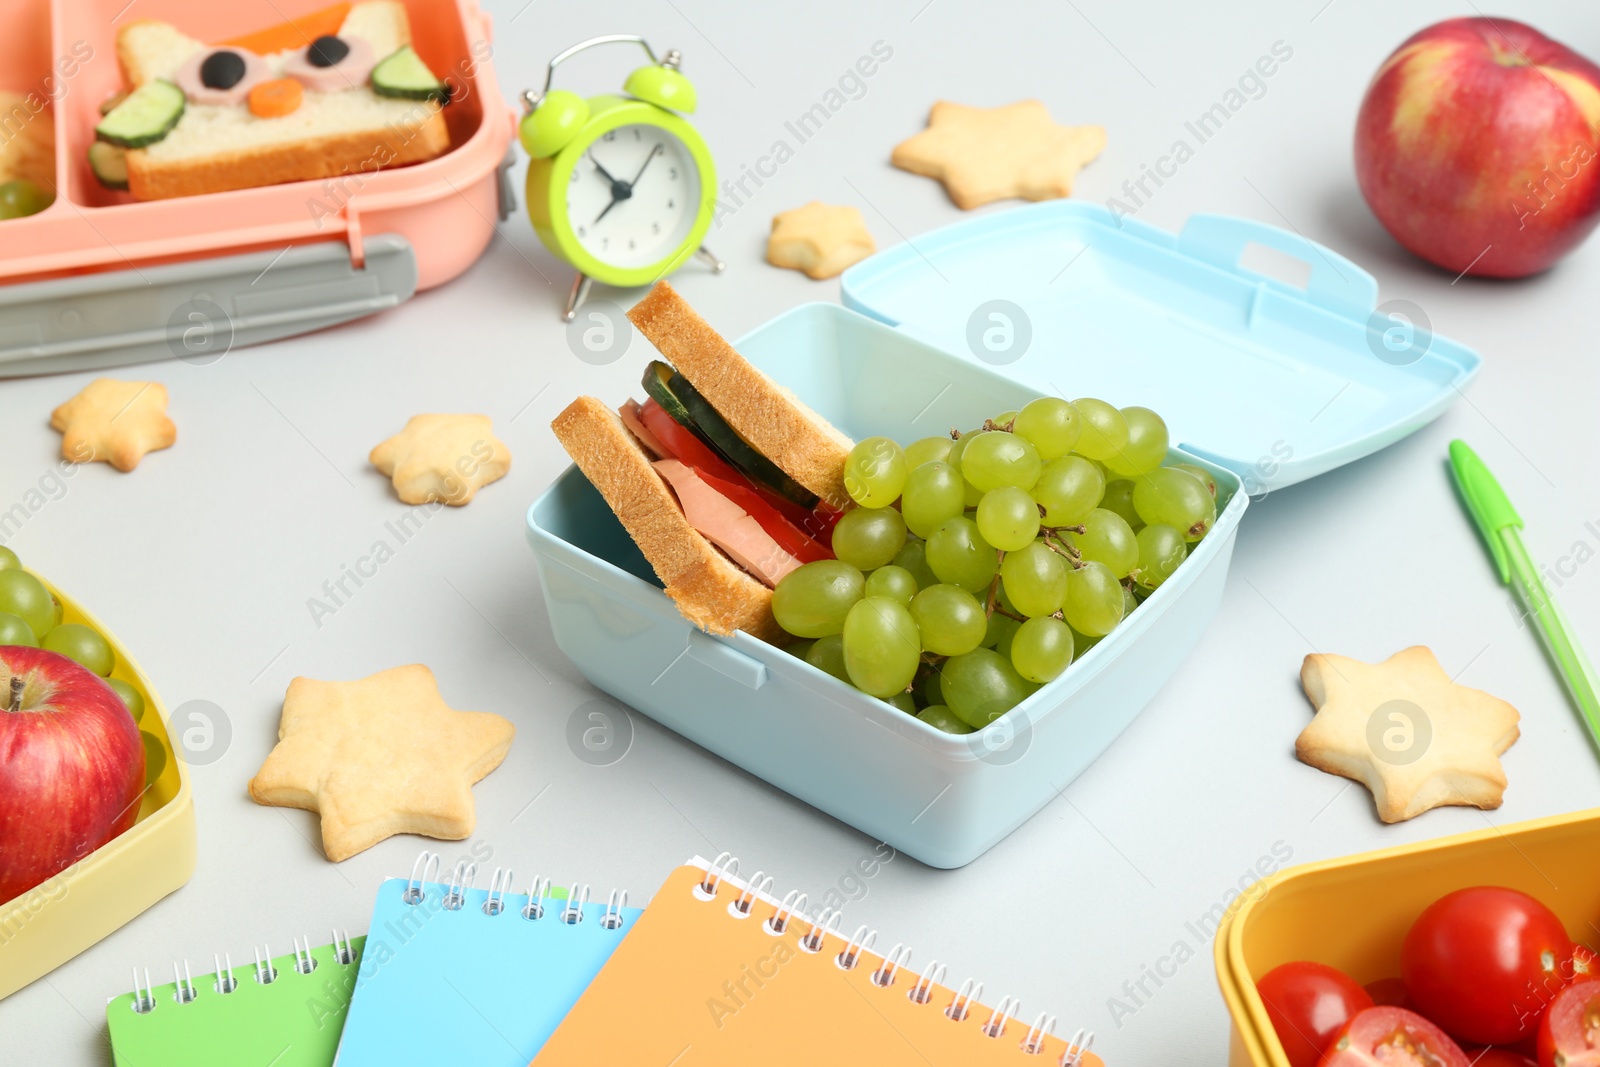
pixel 1485 500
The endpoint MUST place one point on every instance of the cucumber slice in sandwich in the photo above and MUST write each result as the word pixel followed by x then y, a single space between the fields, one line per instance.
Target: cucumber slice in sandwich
pixel 405 76
pixel 694 413
pixel 145 117
pixel 109 163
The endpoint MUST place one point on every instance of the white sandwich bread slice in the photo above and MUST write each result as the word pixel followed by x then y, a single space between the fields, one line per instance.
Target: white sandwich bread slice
pixel 717 561
pixel 216 148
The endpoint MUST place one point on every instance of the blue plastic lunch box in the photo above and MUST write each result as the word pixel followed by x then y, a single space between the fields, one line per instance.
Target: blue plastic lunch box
pixel 1271 383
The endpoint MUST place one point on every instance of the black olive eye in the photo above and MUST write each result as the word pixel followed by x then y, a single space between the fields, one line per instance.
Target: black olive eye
pixel 222 70
pixel 326 51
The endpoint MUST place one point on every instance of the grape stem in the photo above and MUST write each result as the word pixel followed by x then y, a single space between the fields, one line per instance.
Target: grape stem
pixel 17 686
pixel 991 426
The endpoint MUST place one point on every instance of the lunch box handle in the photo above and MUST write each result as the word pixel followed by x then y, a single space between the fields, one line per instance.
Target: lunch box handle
pixel 1336 284
pixel 726 661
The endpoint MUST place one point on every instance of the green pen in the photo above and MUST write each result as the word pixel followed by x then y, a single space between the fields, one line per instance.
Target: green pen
pixel 1499 522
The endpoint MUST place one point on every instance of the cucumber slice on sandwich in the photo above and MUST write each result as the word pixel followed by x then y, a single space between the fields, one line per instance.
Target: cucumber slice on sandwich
pixel 145 117
pixel 693 412
pixel 109 163
pixel 405 76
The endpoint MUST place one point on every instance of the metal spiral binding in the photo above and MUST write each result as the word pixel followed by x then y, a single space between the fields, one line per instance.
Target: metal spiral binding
pixel 465 871
pixel 534 908
pixel 427 861
pixel 572 913
pixel 499 886
pixel 614 905
pixel 223 983
pixel 461 878
pixel 1001 1016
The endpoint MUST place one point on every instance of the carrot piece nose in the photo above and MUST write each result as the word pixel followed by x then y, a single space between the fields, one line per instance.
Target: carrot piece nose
pixel 276 98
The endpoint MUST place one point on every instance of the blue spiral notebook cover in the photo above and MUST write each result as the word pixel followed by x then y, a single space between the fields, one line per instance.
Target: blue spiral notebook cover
pixel 452 974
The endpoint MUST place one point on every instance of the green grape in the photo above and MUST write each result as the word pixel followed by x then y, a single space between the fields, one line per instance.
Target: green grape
pixel 914 558
pixel 999 634
pixel 1094 602
pixel 894 583
pixel 130 696
pixel 928 450
pixel 881 646
pixel 1008 518
pixel 828 655
pixel 959 555
pixel 20 198
pixel 927 689
pixel 959 446
pixel 941 717
pixel 875 472
pixel 1041 649
pixel 1108 539
pixel 57 610
pixel 1146 447
pixel 1052 424
pixel 23 595
pixel 1199 472
pixel 1130 600
pixel 1035 580
pixel 1069 488
pixel 950 620
pixel 933 493
pixel 1161 549
pixel 981 686
pixel 995 458
pixel 799 647
pixel 813 600
pixel 1119 499
pixel 868 538
pixel 904 702
pixel 1174 498
pixel 1082 643
pixel 8 559
pixel 1004 418
pixel 1105 431
pixel 14 631
pixel 971 495
pixel 79 643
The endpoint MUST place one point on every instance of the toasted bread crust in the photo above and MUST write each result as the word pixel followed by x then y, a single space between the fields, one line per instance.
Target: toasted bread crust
pixel 319 157
pixel 711 591
pixel 797 439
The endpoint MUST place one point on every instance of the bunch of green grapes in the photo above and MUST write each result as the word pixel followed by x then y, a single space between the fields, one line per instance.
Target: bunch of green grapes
pixel 975 567
pixel 31 615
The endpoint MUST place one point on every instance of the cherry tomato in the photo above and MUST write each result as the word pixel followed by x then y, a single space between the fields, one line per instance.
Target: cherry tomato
pixel 1499 1057
pixel 1483 963
pixel 1308 1004
pixel 1393 1037
pixel 1569 1036
pixel 1389 992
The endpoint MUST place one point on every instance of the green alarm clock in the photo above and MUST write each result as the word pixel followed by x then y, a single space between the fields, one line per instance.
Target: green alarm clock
pixel 620 186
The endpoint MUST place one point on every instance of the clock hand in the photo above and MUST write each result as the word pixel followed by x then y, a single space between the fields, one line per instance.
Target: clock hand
pixel 606 174
pixel 653 153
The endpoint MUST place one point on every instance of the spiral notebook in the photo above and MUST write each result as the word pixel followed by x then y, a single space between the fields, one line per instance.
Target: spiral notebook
pixel 458 975
pixel 283 1010
pixel 719 973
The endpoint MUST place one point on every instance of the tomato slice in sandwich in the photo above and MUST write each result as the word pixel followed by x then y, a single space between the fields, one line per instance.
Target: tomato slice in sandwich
pixel 778 521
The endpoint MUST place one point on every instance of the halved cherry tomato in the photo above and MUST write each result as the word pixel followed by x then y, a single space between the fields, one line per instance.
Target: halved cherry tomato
pixel 697 455
pixel 1499 1057
pixel 1308 1004
pixel 1484 963
pixel 1392 1037
pixel 1389 992
pixel 1569 1036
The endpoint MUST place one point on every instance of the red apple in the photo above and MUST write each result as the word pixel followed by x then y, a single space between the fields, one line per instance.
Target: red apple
pixel 71 766
pixel 1476 147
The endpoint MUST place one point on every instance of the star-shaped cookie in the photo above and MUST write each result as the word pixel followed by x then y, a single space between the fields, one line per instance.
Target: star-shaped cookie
pixel 1408 733
pixel 994 153
pixel 380 756
pixel 114 421
pixel 443 457
pixel 819 239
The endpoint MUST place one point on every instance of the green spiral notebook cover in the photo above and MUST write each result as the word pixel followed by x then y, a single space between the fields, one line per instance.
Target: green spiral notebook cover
pixel 293 1020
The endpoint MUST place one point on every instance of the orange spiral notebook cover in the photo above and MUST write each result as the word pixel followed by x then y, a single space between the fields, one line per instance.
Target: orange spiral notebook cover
pixel 719 973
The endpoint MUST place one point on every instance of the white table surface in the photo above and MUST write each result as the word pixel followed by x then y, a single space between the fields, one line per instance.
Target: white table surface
pixel 202 561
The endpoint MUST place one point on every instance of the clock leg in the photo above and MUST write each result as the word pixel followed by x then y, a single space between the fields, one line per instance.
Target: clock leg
pixel 576 296
pixel 710 259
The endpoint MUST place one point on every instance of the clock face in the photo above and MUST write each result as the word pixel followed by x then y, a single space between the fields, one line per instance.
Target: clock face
pixel 633 196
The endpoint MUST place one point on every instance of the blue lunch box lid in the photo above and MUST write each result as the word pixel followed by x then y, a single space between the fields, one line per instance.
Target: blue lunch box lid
pixel 1272 381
